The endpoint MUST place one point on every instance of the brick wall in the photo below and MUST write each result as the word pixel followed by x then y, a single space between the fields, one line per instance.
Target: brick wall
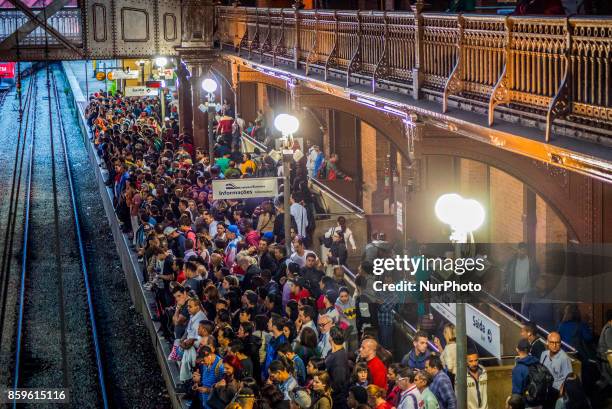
pixel 474 184
pixel 506 209
pixel 368 164
pixel 374 150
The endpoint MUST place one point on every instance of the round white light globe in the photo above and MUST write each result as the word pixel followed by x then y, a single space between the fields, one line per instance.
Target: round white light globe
pixel 447 208
pixel 161 61
pixel 472 216
pixel 209 85
pixel 286 124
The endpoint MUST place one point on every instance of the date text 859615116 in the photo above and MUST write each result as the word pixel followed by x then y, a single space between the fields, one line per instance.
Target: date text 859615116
pixel 34 395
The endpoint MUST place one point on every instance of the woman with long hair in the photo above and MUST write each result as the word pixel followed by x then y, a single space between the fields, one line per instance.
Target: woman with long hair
pixel 321 391
pixel 306 347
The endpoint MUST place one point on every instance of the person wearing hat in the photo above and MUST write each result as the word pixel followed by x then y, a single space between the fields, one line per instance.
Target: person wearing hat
pixel 329 301
pixel 520 372
pixel 176 241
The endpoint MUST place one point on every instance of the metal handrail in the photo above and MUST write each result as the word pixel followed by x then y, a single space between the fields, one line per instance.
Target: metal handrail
pixel 336 196
pixel 351 206
pixel 396 314
pixel 508 309
pixel 517 315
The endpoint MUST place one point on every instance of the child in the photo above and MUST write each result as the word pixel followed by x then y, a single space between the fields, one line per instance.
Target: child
pixel 360 375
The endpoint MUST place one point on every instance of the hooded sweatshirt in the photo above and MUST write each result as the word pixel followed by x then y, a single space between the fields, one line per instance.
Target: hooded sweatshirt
pixel 348 310
pixel 520 372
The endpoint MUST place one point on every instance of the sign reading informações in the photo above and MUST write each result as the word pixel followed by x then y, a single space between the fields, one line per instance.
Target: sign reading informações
pixel 140 91
pixel 480 328
pixel 244 188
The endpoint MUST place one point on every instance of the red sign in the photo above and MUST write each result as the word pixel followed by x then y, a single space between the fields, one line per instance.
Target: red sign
pixel 153 84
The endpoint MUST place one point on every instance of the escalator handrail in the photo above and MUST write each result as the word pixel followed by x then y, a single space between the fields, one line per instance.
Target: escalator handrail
pixel 397 316
pixel 517 315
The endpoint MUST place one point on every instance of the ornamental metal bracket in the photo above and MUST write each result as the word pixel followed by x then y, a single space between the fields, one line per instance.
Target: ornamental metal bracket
pixel 332 58
pixel 382 69
pixel 279 47
pixel 313 54
pixel 454 84
pixel 561 105
pixel 254 43
pixel 501 90
pixel 356 60
pixel 244 40
pixel 266 44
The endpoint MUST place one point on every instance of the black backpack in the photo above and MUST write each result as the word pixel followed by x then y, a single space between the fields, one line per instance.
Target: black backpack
pixel 539 385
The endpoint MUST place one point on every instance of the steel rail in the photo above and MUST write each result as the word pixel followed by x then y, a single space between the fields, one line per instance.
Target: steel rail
pixel 24 254
pixel 83 259
pixel 9 234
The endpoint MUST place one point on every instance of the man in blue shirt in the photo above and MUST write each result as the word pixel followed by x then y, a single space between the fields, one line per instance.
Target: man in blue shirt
pixel 441 385
pixel 209 372
pixel 556 360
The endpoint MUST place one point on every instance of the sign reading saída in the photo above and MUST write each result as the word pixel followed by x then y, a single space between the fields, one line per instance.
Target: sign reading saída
pixel 244 188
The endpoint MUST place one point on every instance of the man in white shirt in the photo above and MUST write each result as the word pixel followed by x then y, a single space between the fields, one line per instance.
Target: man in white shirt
pixel 520 274
pixel 299 255
pixel 476 383
pixel 300 216
pixel 410 397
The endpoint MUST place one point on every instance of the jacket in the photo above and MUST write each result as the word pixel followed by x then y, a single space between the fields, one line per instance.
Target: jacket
pixel 477 389
pixel 520 372
pixel 534 272
pixel 415 361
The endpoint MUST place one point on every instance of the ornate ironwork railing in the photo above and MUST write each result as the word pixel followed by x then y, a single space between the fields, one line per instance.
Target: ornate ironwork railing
pixel 555 68
pixel 67 22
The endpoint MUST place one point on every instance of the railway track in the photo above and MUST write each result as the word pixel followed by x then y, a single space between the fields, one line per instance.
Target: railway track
pixel 56 334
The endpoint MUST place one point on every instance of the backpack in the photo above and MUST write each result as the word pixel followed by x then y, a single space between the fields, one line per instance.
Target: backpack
pixel 538 385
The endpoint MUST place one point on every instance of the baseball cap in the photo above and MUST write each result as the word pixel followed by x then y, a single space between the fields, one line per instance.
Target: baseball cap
pixel 332 296
pixel 300 397
pixel 169 230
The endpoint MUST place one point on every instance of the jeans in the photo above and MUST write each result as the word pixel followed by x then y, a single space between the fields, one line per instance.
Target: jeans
pixel 385 333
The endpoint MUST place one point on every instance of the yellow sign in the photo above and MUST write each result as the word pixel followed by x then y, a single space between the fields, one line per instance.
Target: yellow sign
pixel 100 76
pixel 110 76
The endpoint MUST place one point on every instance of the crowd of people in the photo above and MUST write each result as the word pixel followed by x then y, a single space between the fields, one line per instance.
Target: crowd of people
pixel 257 319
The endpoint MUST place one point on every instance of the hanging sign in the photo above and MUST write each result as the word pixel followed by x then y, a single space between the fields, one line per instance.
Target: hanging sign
pixel 123 75
pixel 399 213
pixel 244 188
pixel 479 327
pixel 140 91
pixel 100 76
